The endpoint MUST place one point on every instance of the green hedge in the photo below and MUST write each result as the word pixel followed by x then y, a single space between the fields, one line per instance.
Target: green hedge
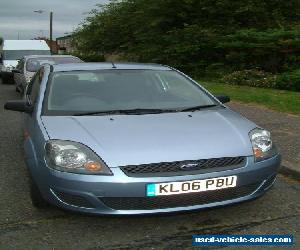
pixel 289 80
pixel 259 78
pixel 253 78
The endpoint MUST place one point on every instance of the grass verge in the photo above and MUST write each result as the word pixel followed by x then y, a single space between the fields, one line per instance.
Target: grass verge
pixel 280 100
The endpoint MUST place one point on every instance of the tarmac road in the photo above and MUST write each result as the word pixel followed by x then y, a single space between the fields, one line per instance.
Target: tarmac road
pixel 24 227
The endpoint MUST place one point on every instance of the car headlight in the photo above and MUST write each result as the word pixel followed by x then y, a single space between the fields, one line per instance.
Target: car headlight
pixel 74 157
pixel 262 144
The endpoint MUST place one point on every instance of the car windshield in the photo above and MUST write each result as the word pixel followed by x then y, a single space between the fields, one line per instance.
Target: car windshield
pixel 34 64
pixel 18 54
pixel 77 92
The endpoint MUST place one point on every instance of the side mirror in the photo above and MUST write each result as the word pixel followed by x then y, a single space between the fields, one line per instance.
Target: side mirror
pixel 223 98
pixel 16 71
pixel 19 105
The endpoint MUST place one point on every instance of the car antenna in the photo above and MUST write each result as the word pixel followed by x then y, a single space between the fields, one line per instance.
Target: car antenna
pixel 114 66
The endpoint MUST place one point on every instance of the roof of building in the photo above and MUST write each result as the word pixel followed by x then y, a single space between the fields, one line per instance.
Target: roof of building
pixel 63 37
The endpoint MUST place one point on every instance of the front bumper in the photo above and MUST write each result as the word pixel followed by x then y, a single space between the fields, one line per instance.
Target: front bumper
pixel 119 194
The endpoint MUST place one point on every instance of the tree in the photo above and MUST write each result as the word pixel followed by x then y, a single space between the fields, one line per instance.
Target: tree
pixel 193 35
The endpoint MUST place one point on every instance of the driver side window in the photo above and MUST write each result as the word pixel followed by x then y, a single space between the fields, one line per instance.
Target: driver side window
pixel 34 87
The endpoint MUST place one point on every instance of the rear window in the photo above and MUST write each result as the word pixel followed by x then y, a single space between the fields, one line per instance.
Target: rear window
pixel 18 54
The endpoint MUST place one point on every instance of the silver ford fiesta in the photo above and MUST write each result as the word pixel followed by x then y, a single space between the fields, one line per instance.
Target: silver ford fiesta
pixel 105 138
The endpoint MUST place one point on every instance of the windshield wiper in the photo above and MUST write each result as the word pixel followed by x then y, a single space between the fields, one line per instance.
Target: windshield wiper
pixel 126 112
pixel 198 107
pixel 104 112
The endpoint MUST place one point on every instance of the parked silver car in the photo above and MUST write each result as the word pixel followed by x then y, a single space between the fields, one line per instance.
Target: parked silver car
pixel 29 65
pixel 127 138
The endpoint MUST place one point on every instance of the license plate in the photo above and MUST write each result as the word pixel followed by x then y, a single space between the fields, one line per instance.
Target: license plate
pixel 183 187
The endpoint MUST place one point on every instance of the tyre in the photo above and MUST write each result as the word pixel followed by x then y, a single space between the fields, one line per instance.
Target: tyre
pixel 36 198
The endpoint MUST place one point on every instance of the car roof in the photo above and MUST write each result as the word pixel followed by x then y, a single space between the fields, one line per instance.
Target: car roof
pixel 43 56
pixel 106 65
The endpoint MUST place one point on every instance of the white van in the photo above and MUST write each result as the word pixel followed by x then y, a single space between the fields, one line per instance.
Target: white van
pixel 11 51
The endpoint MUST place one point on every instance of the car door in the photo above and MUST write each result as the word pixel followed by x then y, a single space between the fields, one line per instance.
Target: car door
pixel 31 126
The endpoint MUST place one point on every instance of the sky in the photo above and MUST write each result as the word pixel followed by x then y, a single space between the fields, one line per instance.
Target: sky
pixel 18 19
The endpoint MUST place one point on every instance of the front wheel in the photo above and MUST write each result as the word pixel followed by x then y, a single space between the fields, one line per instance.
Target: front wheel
pixel 36 198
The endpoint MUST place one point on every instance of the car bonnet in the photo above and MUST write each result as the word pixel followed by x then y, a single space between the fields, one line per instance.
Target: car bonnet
pixel 122 140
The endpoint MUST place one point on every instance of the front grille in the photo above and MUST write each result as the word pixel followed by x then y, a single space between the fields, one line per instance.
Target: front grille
pixel 179 200
pixel 176 167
